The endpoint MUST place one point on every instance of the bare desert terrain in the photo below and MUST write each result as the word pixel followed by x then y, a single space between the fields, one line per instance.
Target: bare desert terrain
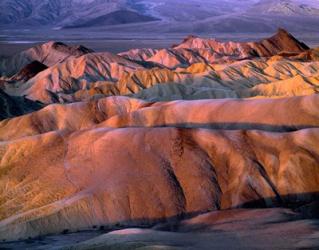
pixel 130 125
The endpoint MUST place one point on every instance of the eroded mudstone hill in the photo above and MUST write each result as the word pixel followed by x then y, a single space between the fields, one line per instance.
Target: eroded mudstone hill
pixel 151 136
pixel 92 174
pixel 278 66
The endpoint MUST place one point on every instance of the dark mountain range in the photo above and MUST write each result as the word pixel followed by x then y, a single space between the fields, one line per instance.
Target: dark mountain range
pixel 114 18
pixel 284 8
pixel 88 13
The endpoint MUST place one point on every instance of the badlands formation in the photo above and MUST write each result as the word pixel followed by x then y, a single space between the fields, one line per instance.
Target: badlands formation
pixel 154 137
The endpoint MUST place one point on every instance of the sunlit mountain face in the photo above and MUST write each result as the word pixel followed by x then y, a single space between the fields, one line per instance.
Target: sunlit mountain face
pixel 168 124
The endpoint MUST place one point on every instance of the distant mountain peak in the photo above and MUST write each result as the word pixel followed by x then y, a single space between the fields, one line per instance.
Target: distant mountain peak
pixel 189 38
pixel 286 41
pixel 279 42
pixel 282 31
pixel 283 7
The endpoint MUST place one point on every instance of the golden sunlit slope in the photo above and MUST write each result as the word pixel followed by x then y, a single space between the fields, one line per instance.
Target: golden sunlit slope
pixel 95 176
pixel 251 78
pixel 117 112
pixel 201 81
pixel 97 75
pixel 72 75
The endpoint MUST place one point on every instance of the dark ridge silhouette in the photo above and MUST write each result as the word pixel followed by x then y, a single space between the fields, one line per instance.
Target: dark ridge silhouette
pixel 72 50
pixel 29 71
pixel 234 126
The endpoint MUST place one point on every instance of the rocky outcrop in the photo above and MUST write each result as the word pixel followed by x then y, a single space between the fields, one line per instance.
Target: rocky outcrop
pixel 71 75
pixel 195 69
pixel 75 80
pixel 29 71
pixel 195 49
pixel 282 41
pixel 48 54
